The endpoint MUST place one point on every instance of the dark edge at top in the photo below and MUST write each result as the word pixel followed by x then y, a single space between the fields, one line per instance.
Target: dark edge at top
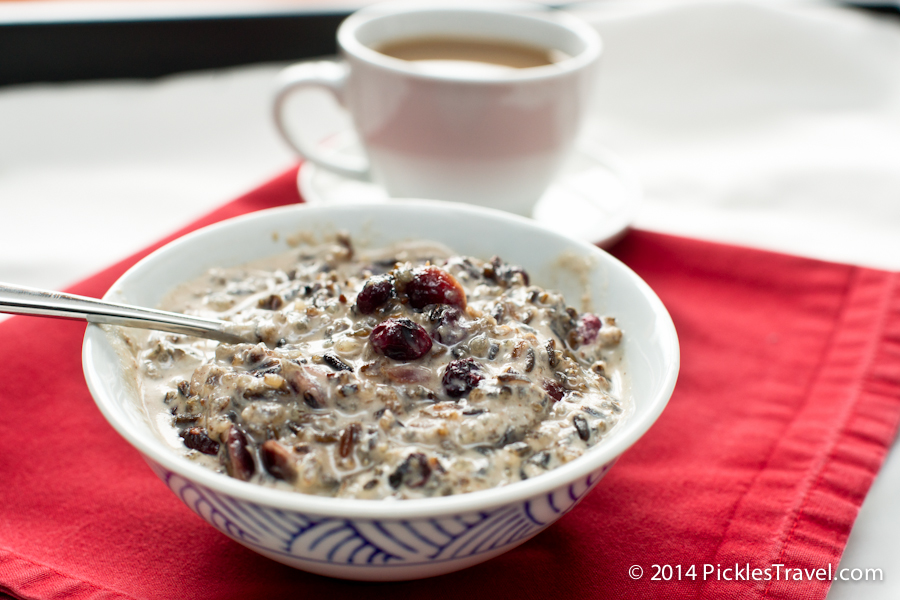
pixel 57 51
pixel 150 48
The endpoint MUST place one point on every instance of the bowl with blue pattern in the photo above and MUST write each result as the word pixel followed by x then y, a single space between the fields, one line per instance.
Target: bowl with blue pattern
pixel 384 540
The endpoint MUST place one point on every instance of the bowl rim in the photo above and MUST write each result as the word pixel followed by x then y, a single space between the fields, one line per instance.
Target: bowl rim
pixel 595 458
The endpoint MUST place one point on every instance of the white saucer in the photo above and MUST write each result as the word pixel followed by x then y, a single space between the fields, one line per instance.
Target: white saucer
pixel 595 198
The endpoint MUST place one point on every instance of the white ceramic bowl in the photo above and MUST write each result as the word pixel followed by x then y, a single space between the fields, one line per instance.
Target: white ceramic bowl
pixel 378 539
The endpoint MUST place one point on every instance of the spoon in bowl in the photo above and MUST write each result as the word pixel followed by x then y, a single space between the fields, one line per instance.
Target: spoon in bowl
pixel 19 300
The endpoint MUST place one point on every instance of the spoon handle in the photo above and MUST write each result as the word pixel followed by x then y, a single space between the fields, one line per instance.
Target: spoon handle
pixel 21 300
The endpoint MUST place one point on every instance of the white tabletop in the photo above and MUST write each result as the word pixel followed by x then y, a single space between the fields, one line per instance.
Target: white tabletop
pixel 758 124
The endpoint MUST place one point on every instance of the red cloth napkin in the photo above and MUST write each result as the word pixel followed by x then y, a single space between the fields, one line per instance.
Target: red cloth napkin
pixel 788 398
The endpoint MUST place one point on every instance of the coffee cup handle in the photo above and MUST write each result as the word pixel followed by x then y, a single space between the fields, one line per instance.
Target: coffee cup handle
pixel 330 76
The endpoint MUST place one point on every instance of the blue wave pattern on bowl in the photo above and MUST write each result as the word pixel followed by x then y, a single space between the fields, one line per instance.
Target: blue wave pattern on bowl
pixel 367 542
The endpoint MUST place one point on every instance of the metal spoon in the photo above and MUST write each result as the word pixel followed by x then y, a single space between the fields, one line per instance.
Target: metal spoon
pixel 19 300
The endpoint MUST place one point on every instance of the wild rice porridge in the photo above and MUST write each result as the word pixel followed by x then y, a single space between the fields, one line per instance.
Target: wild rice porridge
pixel 405 372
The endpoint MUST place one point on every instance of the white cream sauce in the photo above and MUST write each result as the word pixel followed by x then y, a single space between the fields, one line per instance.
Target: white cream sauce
pixel 315 407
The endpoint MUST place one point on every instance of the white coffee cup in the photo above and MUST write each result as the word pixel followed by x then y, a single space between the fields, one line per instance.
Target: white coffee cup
pixel 492 136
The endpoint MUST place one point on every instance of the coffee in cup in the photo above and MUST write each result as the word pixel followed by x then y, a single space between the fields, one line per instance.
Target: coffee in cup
pixel 461 55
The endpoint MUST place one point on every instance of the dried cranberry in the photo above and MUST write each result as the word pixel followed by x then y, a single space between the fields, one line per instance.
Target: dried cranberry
pixel 555 390
pixel 375 293
pixel 431 285
pixel 460 377
pixel 587 329
pixel 400 339
pixel 196 438
pixel 414 471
